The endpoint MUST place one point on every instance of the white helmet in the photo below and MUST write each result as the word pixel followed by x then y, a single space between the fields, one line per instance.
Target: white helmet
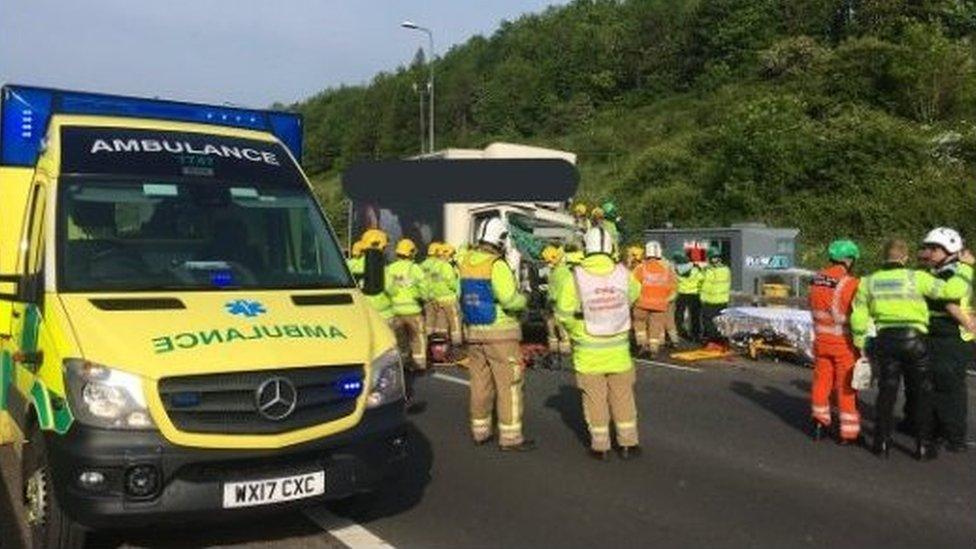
pixel 948 238
pixel 653 249
pixel 493 231
pixel 598 241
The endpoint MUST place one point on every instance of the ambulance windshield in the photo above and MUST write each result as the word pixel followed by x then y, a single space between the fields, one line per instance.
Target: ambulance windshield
pixel 140 235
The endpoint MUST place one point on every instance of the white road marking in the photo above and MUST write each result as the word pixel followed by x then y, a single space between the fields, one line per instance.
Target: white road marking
pixel 452 379
pixel 669 366
pixel 345 530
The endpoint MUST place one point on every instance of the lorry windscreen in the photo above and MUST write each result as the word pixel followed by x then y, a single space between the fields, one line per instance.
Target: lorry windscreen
pixel 117 234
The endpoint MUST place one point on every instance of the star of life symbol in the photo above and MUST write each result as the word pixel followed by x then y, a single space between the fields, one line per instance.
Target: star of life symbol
pixel 245 307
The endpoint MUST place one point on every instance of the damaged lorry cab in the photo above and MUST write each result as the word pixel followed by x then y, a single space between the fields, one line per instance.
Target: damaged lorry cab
pixel 179 336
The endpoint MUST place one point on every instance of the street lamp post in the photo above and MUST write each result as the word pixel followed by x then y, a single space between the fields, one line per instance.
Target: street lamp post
pixel 430 82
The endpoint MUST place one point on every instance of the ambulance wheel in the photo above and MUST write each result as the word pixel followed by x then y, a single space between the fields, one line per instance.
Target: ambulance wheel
pixel 47 524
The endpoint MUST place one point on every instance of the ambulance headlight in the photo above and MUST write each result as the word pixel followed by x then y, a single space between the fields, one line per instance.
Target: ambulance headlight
pixel 106 398
pixel 385 380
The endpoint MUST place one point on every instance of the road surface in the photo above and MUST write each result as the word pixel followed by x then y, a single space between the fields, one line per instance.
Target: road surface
pixel 727 463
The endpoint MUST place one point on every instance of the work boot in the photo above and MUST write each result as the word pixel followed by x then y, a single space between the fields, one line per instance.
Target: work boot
pixel 857 441
pixel 882 447
pixel 599 455
pixel 526 445
pixel 484 441
pixel 925 451
pixel 629 452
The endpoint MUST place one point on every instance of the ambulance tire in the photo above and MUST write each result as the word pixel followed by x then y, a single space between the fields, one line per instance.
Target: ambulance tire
pixel 56 530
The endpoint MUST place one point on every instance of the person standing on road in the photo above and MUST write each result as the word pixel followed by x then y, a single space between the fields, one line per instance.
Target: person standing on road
pixel 559 273
pixel 831 298
pixel 443 290
pixel 687 310
pixel 657 286
pixel 489 299
pixel 950 337
pixel 894 299
pixel 427 266
pixel 596 313
pixel 356 261
pixel 374 272
pixel 716 293
pixel 406 287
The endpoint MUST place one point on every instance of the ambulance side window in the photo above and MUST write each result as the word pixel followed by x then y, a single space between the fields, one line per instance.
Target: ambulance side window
pixel 33 258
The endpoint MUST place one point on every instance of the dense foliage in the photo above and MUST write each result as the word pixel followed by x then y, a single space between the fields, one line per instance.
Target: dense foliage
pixel 840 117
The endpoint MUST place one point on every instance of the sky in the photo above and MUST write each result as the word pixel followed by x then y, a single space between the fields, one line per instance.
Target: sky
pixel 244 52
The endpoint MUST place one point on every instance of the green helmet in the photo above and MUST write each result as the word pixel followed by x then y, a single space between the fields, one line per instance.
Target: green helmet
pixel 714 252
pixel 609 209
pixel 679 256
pixel 840 250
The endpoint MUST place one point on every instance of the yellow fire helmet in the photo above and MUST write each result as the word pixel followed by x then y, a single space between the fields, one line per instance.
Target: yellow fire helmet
pixel 552 254
pixel 406 248
pixel 357 248
pixel 434 249
pixel 597 214
pixel 375 238
pixel 446 251
pixel 579 210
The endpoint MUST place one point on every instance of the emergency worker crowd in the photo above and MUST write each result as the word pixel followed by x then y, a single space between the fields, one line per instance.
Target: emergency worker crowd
pixel 604 308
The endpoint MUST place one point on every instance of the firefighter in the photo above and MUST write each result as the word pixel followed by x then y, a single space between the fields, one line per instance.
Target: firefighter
pixel 356 261
pixel 716 290
pixel 596 312
pixel 687 310
pixel 427 266
pixel 559 273
pixel 489 301
pixel 580 218
pixel 950 338
pixel 657 285
pixel 406 287
pixel 894 299
pixel 374 272
pixel 832 293
pixel 444 288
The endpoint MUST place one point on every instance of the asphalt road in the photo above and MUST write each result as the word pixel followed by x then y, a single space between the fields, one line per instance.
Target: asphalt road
pixel 727 463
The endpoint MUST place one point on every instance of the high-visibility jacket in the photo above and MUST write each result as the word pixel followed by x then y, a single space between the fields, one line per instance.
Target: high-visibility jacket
pixel 941 323
pixel 357 266
pixel 406 286
pixel 595 354
pixel 658 284
pixel 558 275
pixel 894 297
pixel 442 281
pixel 690 282
pixel 505 294
pixel 832 293
pixel 716 288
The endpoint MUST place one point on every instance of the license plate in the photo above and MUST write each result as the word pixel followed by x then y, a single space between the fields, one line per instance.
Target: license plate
pixel 273 490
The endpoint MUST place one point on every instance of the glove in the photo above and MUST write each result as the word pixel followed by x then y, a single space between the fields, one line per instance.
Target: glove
pixel 862 376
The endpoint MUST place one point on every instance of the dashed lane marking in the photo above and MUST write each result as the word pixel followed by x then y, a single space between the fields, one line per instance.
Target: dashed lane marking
pixel 346 531
pixel 451 379
pixel 669 366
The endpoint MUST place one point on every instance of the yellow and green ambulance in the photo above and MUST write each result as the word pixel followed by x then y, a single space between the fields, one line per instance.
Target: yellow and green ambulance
pixel 180 337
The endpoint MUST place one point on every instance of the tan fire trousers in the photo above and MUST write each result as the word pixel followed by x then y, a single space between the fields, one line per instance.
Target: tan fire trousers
pixel 609 397
pixel 444 317
pixel 411 338
pixel 496 385
pixel 649 328
pixel 558 337
pixel 670 325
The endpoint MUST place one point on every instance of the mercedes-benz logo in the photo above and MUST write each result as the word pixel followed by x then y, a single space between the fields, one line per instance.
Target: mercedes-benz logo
pixel 276 398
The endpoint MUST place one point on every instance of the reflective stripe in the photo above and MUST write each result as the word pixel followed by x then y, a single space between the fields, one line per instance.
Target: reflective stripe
pixel 820 409
pixel 850 428
pixel 599 430
pixel 831 330
pixel 512 427
pixel 602 344
pixel 480 422
pixel 849 417
pixel 627 425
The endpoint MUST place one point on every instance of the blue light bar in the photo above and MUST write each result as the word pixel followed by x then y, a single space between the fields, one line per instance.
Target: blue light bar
pixel 26 112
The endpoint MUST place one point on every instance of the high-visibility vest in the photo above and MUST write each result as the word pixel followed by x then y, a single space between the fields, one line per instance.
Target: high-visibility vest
pixel 657 285
pixel 831 296
pixel 690 282
pixel 941 323
pixel 604 300
pixel 406 286
pixel 716 285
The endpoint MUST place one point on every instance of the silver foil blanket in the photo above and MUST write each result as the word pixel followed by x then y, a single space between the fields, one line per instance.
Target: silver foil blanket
pixel 793 327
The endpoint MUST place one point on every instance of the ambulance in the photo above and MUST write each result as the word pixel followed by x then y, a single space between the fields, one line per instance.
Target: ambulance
pixel 180 339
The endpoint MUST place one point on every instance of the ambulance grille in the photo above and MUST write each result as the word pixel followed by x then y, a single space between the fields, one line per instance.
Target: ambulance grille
pixel 228 404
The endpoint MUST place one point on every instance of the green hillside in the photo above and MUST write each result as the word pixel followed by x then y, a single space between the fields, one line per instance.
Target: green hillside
pixel 840 117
